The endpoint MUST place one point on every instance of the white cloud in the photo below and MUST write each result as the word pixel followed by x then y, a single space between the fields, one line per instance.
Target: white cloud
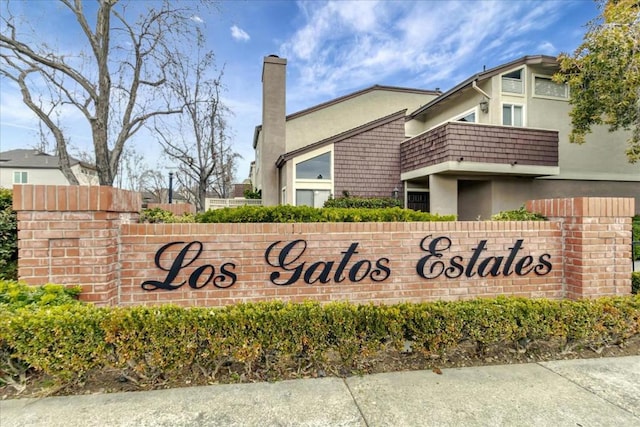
pixel 343 45
pixel 197 19
pixel 239 34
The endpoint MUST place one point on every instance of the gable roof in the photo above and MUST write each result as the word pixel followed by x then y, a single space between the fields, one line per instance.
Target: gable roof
pixel 550 61
pixel 346 97
pixel 34 159
pixel 341 136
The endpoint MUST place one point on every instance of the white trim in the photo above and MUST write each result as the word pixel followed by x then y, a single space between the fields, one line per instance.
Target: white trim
pixel 13 176
pixel 523 75
pixel 597 176
pixel 313 184
pixel 455 118
pixel 478 167
pixel 544 76
pixel 513 104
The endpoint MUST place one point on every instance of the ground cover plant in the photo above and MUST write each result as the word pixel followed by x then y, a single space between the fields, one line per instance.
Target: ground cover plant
pixel 63 346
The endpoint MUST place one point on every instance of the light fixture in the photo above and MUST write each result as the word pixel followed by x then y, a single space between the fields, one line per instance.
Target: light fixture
pixel 484 105
pixel 394 193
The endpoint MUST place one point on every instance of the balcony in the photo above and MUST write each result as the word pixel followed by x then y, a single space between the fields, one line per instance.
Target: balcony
pixel 470 148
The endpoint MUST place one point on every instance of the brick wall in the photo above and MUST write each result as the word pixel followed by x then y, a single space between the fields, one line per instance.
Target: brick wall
pixel 90 237
pixel 596 232
pixel 70 235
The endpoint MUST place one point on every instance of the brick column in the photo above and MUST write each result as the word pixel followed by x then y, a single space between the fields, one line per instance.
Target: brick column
pixel 70 235
pixel 596 243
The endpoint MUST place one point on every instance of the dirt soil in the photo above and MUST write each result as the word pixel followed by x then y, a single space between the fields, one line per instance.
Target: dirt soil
pixel 110 381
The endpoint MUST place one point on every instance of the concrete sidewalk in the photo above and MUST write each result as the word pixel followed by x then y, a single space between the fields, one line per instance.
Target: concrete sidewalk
pixel 594 392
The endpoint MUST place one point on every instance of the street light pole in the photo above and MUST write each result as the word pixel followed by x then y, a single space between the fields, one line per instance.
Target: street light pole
pixel 170 187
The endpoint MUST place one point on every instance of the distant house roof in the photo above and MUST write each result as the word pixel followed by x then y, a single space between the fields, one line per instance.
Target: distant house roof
pixel 34 159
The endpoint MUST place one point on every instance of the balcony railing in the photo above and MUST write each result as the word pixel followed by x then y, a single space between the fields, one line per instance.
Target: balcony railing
pixel 460 144
pixel 231 203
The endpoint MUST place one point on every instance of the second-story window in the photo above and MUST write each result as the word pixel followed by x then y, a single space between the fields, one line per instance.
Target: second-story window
pixel 512 115
pixel 546 87
pixel 20 177
pixel 513 82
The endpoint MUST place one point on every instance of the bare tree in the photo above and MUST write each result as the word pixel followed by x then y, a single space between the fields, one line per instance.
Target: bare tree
pixel 198 143
pixel 116 78
pixel 153 185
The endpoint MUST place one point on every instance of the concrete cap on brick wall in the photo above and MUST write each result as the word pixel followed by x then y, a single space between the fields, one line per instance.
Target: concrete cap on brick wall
pixel 583 207
pixel 74 198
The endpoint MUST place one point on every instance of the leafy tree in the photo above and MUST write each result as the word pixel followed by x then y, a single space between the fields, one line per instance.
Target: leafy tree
pixel 603 74
pixel 114 75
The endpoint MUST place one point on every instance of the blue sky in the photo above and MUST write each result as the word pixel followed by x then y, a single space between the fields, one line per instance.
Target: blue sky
pixel 335 48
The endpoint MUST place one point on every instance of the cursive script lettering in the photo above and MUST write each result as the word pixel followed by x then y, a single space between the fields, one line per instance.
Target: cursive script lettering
pixel 199 278
pixel 434 264
pixel 287 259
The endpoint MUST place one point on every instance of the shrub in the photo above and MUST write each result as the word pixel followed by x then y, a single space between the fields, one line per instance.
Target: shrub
pixel 15 295
pixel 635 227
pixel 363 202
pixel 287 213
pixel 159 215
pixel 8 236
pixel 520 214
pixel 252 194
pixel 635 282
pixel 155 344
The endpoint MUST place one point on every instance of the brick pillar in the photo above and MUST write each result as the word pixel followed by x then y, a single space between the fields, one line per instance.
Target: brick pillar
pixel 70 235
pixel 596 243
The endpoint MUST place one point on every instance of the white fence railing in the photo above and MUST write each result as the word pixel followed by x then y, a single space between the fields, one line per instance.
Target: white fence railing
pixel 231 203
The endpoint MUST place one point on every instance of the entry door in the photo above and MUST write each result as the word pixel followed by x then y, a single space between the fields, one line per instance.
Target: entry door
pixel 418 201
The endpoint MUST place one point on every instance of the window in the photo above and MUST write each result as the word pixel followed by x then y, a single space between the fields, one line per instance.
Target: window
pixel 513 82
pixel 512 115
pixel 545 86
pixel 318 167
pixel 471 118
pixel 20 177
pixel 313 198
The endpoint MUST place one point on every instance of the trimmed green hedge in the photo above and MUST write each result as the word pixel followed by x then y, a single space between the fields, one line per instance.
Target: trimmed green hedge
pixel 635 282
pixel 288 213
pixel 8 236
pixel 16 295
pixel 159 215
pixel 363 202
pixel 635 227
pixel 270 340
pixel 520 214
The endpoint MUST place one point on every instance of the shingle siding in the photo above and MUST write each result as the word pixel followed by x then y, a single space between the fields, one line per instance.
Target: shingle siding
pixel 480 143
pixel 368 164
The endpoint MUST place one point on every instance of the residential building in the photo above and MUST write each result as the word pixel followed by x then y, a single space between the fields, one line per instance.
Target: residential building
pixel 493 141
pixel 29 166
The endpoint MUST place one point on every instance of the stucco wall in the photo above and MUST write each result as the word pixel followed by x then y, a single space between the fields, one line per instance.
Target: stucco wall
pixel 348 114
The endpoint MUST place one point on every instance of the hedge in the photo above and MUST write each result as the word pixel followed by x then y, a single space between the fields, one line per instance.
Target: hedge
pixel 8 236
pixel 635 282
pixel 288 213
pixel 152 345
pixel 363 202
pixel 520 214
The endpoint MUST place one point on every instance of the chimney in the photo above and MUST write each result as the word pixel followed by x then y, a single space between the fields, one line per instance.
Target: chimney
pixel 273 126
